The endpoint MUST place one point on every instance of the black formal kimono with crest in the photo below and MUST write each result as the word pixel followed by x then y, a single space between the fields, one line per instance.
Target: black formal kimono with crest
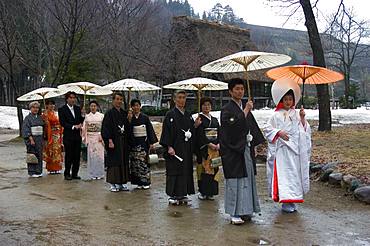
pixel 116 126
pixel 179 174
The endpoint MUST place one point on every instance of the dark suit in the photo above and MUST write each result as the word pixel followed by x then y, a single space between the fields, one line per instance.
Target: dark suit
pixel 232 136
pixel 71 138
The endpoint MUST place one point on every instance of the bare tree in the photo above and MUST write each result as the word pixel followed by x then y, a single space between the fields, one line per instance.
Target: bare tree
pixel 9 43
pixel 60 26
pixel 293 6
pixel 345 37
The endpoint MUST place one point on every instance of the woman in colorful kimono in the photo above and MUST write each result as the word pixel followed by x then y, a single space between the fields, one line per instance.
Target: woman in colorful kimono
pixel 289 137
pixel 92 138
pixel 207 148
pixel 32 133
pixel 53 144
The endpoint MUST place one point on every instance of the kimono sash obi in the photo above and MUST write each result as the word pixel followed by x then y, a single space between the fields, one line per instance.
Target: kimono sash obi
pixel 211 133
pixel 55 128
pixel 139 131
pixel 36 130
pixel 93 127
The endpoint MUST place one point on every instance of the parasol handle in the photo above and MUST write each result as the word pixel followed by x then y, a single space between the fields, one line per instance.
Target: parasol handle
pixel 249 90
pixel 199 93
pixel 84 101
pixel 128 97
pixel 248 84
pixel 303 81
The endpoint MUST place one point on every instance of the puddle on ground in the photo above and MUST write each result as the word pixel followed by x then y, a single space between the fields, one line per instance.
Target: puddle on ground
pixel 260 241
pixel 174 214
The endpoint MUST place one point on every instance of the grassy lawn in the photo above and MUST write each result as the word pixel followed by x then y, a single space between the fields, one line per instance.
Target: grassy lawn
pixel 349 145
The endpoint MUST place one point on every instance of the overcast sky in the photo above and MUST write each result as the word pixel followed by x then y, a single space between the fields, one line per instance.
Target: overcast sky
pixel 259 12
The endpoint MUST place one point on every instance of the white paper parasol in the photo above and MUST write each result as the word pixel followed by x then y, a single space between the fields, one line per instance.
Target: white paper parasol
pixel 198 84
pixel 246 61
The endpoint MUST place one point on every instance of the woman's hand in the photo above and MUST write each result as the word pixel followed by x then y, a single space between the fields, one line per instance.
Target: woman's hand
pixel 302 114
pixel 198 122
pixel 171 151
pixel 218 146
pixel 212 146
pixel 111 144
pixel 129 115
pixel 284 135
pixel 32 141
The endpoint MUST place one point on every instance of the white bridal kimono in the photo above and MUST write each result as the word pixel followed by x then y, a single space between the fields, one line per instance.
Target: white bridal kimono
pixel 288 161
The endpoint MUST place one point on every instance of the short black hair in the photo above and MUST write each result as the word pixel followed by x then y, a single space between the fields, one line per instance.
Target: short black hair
pixel 49 102
pixel 95 102
pixel 116 94
pixel 69 93
pixel 134 101
pixel 234 82
pixel 289 93
pixel 203 100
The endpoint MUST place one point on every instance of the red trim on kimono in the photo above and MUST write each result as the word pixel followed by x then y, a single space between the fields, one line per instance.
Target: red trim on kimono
pixel 281 106
pixel 276 137
pixel 292 201
pixel 275 187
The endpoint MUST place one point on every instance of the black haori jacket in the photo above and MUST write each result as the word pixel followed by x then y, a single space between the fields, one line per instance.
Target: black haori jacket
pixel 233 132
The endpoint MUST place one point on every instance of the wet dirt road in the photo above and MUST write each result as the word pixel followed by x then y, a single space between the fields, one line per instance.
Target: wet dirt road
pixel 51 211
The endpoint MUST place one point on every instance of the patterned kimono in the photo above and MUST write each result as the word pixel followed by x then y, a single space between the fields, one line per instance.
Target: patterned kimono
pixel 53 146
pixel 33 126
pixel 95 148
pixel 208 177
pixel 143 137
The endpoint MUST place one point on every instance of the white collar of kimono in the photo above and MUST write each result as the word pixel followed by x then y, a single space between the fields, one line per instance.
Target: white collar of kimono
pixel 281 86
pixel 207 116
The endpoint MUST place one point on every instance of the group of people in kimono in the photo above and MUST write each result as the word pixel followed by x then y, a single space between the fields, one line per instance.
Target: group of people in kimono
pixel 111 139
pixel 234 141
pixel 121 140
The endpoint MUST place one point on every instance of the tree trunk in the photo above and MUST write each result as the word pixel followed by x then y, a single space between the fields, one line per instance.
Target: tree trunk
pixel 6 96
pixel 318 60
pixel 346 90
pixel 20 117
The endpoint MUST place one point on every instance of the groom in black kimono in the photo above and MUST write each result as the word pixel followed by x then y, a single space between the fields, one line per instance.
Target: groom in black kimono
pixel 116 132
pixel 238 136
pixel 177 139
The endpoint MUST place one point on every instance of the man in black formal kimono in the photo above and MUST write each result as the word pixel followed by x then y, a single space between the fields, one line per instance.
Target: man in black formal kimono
pixel 116 132
pixel 71 119
pixel 177 139
pixel 239 134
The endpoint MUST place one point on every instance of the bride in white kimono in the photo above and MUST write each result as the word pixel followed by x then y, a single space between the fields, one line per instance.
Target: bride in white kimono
pixel 289 147
pixel 92 138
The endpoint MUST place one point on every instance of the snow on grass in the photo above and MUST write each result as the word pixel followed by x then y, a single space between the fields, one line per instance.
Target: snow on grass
pixel 8 116
pixel 339 116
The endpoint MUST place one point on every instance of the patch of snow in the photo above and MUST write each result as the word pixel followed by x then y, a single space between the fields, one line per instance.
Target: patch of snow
pixel 8 117
pixel 339 116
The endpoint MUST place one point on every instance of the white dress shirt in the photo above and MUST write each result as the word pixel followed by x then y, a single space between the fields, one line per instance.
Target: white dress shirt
pixel 72 110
